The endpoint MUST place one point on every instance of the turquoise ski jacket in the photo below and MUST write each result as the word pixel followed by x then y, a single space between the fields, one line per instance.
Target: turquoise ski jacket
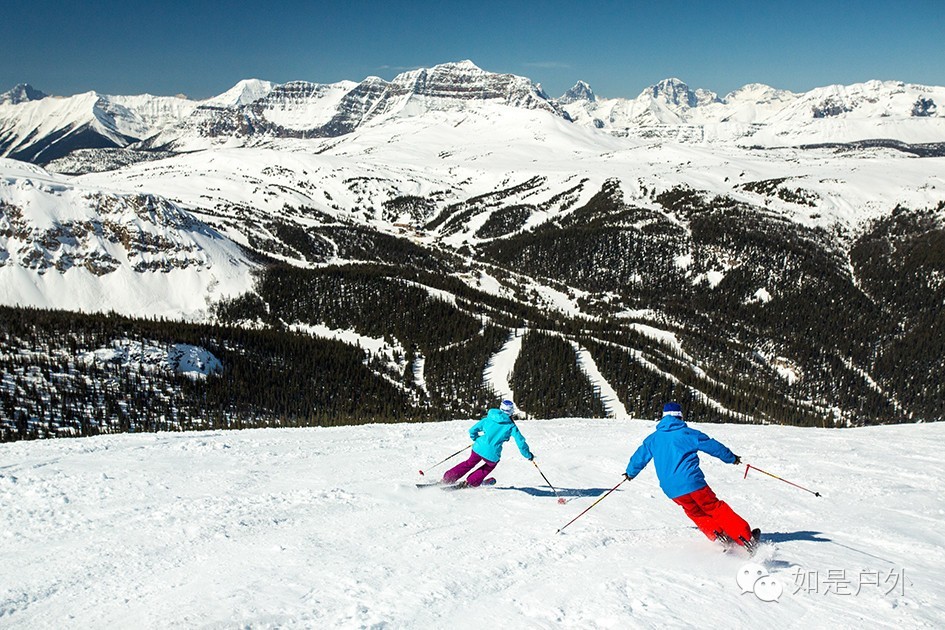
pixel 490 433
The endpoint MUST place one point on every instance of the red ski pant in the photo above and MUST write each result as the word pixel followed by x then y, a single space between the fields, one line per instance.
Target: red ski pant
pixel 712 515
pixel 457 472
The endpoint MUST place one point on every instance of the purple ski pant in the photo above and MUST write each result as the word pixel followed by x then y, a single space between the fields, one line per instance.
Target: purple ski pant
pixel 457 472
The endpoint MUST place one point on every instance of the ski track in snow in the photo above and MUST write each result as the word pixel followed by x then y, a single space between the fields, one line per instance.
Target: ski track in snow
pixel 324 528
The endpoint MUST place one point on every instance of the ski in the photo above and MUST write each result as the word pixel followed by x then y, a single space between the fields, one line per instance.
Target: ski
pixel 462 485
pixel 454 486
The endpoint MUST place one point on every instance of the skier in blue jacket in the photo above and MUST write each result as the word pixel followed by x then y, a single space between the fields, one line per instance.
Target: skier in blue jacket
pixel 488 436
pixel 674 448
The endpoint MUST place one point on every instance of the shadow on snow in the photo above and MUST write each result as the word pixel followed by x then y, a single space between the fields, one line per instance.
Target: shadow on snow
pixel 807 536
pixel 562 492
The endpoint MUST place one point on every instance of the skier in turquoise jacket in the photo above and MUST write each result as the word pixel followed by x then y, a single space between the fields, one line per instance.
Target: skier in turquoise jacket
pixel 488 436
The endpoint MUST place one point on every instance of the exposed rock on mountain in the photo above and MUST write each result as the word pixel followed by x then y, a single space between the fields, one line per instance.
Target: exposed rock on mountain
pixel 71 247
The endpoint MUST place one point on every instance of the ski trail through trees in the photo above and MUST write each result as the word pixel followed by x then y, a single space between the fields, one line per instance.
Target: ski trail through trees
pixel 498 370
pixel 608 396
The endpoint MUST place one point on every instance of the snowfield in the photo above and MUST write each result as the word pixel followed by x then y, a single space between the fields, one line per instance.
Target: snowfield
pixel 324 528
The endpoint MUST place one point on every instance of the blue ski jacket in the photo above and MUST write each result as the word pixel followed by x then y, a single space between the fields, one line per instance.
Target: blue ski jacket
pixel 490 433
pixel 674 448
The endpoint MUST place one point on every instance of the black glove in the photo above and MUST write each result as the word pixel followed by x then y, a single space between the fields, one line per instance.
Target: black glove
pixel 532 458
pixel 738 460
pixel 627 477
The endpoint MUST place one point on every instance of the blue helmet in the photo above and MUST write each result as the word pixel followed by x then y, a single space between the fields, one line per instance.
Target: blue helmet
pixel 507 407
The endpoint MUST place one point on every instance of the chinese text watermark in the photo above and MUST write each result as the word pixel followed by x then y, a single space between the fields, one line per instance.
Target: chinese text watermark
pixel 754 578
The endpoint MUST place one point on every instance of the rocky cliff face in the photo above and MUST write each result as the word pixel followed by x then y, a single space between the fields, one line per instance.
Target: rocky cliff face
pixel 451 84
pixel 83 248
pixel 100 233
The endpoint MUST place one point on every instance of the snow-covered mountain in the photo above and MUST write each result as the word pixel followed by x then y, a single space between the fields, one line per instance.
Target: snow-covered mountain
pixel 67 246
pixel 40 129
pixel 758 114
pixel 580 92
pixel 243 93
pixel 310 110
pixel 669 102
pixel 707 243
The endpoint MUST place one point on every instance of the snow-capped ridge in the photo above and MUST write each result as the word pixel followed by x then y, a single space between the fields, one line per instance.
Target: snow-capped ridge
pixel 463 65
pixel 301 109
pixel 45 129
pixel 456 83
pixel 256 111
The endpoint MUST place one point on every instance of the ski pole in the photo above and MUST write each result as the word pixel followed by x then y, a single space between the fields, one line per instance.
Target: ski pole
pixel 592 505
pixel 447 459
pixel 560 499
pixel 747 466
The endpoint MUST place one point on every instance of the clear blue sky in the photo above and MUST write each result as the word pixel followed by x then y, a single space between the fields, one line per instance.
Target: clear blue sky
pixel 203 48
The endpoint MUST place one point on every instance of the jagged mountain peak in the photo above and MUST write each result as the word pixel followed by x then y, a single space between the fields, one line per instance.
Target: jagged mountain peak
pixel 21 93
pixel 580 92
pixel 676 92
pixel 670 85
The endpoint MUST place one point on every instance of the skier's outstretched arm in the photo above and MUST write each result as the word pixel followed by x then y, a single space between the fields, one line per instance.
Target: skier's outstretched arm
pixel 522 444
pixel 715 449
pixel 638 461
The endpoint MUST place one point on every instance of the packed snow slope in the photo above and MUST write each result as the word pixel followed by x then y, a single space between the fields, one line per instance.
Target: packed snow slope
pixel 325 528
